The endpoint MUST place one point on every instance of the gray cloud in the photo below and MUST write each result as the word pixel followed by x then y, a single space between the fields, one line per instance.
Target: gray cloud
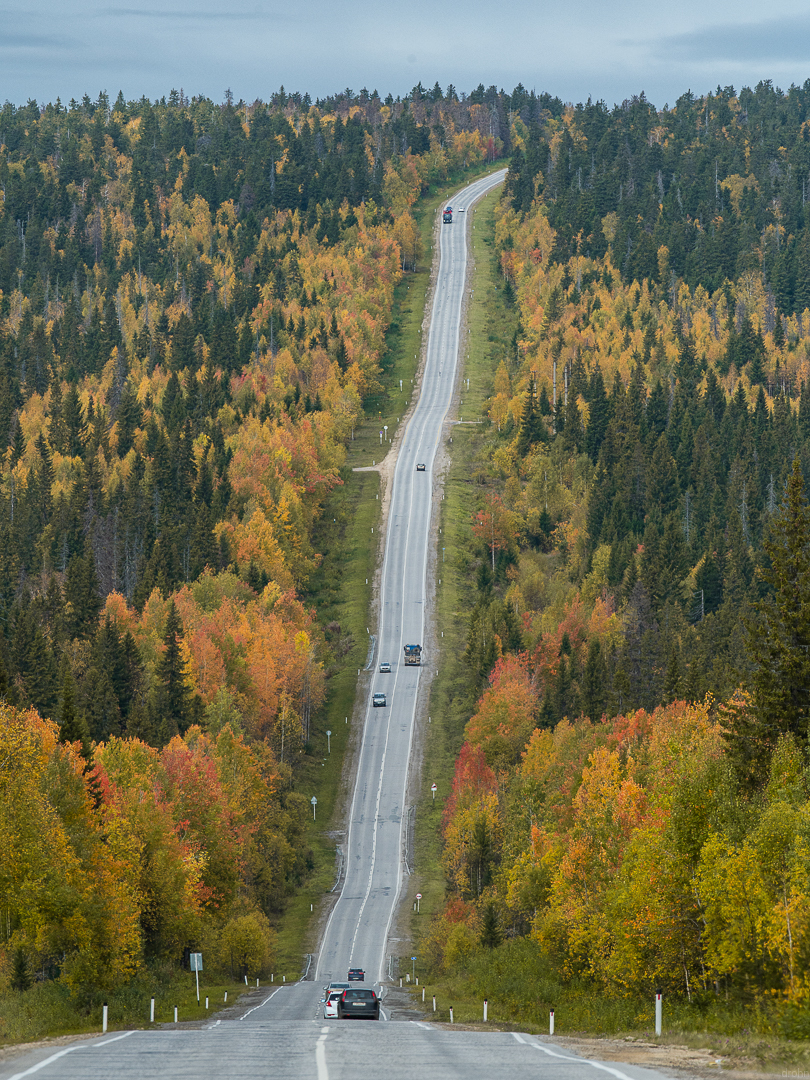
pixel 35 41
pixel 607 49
pixel 190 15
pixel 776 40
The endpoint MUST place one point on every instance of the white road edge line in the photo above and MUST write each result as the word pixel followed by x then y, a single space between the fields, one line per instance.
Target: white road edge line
pixel 519 1038
pixel 68 1050
pixel 320 1056
pixel 260 1006
pixel 582 1061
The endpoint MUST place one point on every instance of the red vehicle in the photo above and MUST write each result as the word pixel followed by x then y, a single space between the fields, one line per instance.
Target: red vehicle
pixel 447 216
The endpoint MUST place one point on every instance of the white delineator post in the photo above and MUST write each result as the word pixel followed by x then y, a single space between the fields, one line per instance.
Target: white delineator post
pixel 658 1011
pixel 486 1003
pixel 152 1011
pixel 551 1022
pixel 434 1003
pixel 451 1014
pixel 104 1019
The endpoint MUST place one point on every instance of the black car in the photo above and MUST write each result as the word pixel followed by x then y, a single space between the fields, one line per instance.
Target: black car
pixel 363 1004
pixel 378 701
pixel 356 975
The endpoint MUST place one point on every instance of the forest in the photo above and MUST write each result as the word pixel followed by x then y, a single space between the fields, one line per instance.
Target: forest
pixel 194 301
pixel 631 792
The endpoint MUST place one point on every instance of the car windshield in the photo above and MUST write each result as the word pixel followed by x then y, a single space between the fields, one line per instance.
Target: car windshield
pixel 335 996
pixel 366 995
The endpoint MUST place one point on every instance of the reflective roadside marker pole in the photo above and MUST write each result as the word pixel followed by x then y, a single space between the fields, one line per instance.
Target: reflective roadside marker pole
pixel 658 1010
pixel 434 1003
pixel 104 1019
pixel 152 1011
pixel 551 1022
pixel 451 1014
pixel 485 1009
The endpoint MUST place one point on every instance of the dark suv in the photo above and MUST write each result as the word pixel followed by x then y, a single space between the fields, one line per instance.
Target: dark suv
pixel 363 1004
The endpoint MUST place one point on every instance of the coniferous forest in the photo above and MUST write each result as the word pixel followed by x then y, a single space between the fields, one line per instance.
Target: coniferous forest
pixel 194 302
pixel 194 299
pixel 630 804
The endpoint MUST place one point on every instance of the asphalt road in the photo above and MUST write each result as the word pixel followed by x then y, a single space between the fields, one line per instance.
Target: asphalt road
pixel 358 927
pixel 323 1050
pixel 284 1034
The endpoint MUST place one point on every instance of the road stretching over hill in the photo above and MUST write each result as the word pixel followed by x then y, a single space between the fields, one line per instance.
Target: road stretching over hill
pixel 283 1035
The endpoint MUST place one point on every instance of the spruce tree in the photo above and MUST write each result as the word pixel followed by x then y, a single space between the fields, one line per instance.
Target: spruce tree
pixel 491 934
pixel 173 700
pixel 778 642
pixel 20 971
pixel 72 724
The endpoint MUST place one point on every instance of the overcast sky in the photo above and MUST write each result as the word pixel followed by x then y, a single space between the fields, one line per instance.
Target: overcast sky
pixel 595 48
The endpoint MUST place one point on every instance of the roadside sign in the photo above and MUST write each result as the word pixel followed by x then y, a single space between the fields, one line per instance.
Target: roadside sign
pixel 195 963
pixel 418 896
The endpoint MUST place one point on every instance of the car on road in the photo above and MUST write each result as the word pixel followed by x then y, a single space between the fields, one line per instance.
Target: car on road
pixel 363 1004
pixel 356 974
pixel 330 1004
pixel 385 667
pixel 447 216
pixel 420 466
pixel 378 701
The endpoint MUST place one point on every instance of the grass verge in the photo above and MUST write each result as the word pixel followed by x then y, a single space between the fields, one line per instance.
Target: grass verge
pixel 49 1009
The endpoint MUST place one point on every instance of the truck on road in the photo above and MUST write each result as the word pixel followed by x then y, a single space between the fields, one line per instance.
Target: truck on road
pixel 413 654
pixel 447 216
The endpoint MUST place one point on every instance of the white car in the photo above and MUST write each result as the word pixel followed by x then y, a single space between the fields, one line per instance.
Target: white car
pixel 330 1005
